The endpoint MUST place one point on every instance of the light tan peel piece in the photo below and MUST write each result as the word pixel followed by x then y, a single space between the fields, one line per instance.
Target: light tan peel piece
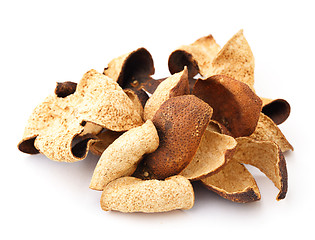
pixel 104 139
pixel 267 157
pixel 123 155
pixel 235 60
pixel 233 182
pixel 212 154
pixel 136 101
pixel 129 194
pixel 173 86
pixel 196 56
pixel 98 102
pixel 267 130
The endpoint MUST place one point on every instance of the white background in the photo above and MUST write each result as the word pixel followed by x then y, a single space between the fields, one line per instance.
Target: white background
pixel 42 43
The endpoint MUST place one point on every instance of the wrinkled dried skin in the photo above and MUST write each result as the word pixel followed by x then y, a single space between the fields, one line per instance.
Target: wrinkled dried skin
pixel 213 153
pixel 277 109
pixel 64 89
pixel 180 122
pixel 233 182
pixel 196 56
pixel 267 130
pixel 56 122
pixel 267 157
pixel 234 104
pixel 175 85
pixel 235 60
pixel 129 194
pixel 122 156
pixel 104 139
pixel 132 70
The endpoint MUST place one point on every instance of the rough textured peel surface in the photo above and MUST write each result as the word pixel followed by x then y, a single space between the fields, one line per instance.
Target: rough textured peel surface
pixel 129 194
pixel 122 156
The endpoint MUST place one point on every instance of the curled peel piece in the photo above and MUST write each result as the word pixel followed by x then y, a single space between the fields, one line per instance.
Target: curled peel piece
pixel 196 56
pixel 235 60
pixel 267 130
pixel 180 122
pixel 135 98
pixel 122 156
pixel 234 104
pixel 277 109
pixel 213 153
pixel 64 89
pixel 235 183
pixel 267 157
pixel 133 70
pixel 129 194
pixel 175 85
pixel 104 139
pixel 97 103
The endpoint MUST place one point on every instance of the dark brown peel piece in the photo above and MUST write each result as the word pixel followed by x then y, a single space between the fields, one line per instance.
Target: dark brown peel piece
pixel 234 104
pixel 180 122
pixel 64 89
pixel 133 70
pixel 27 146
pixel 278 109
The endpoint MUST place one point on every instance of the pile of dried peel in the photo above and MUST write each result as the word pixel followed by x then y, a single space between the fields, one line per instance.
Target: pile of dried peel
pixel 189 129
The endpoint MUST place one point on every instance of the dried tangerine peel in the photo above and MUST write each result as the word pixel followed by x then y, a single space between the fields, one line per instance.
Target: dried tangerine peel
pixel 235 60
pixel 234 104
pixel 132 70
pixel 104 139
pixel 54 123
pixel 173 86
pixel 64 89
pixel 267 130
pixel 196 56
pixel 213 153
pixel 233 182
pixel 267 157
pixel 136 101
pixel 129 194
pixel 123 155
pixel 180 122
pixel 277 109
pixel 234 179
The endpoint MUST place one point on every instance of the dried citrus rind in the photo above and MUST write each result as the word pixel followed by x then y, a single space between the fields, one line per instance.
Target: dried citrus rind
pixel 267 157
pixel 267 130
pixel 235 60
pixel 173 86
pixel 212 154
pixel 104 139
pixel 277 109
pixel 135 98
pixel 97 103
pixel 233 182
pixel 133 70
pixel 123 155
pixel 180 122
pixel 129 194
pixel 64 89
pixel 196 56
pixel 234 104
